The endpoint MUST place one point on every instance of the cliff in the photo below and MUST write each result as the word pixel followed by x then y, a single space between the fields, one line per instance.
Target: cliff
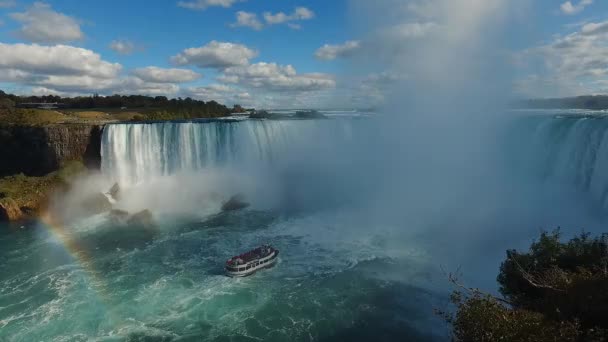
pixel 39 150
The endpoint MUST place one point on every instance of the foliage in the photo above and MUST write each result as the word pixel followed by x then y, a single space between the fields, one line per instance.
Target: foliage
pixel 33 117
pixel 151 106
pixel 31 191
pixel 13 108
pixel 483 318
pixel 554 292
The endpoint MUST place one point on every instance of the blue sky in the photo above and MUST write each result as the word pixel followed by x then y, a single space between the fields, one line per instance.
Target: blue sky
pixel 273 52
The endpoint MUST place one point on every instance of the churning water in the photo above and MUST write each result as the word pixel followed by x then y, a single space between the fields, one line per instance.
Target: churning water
pixel 345 273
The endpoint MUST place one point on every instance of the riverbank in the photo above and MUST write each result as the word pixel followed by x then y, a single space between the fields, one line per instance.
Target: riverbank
pixel 26 197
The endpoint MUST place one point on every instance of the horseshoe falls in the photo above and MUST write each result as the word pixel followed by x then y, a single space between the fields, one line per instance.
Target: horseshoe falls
pixel 364 222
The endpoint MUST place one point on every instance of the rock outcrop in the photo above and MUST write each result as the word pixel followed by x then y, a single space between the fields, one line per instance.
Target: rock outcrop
pixel 236 202
pixel 96 204
pixel 114 192
pixel 119 217
pixel 142 219
pixel 9 210
pixel 37 151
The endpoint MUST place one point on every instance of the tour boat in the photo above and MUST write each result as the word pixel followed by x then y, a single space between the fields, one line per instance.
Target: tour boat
pixel 247 264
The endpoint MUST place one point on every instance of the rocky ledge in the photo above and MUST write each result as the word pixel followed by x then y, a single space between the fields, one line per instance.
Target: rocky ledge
pixel 40 150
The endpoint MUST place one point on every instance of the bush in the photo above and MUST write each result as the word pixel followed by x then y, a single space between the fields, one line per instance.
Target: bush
pixel 554 292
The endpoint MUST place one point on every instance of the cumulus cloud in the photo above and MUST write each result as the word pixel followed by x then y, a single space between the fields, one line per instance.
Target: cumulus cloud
pixel 280 78
pixel 330 52
pixel 7 3
pixel 220 93
pixel 300 13
pixel 161 75
pixel 63 69
pixel 55 60
pixel 247 19
pixel 123 46
pixel 573 64
pixel 568 8
pixel 219 55
pixel 41 24
pixel 204 4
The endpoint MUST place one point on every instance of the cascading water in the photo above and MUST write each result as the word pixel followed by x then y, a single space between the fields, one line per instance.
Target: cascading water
pixel 568 151
pixel 344 274
pixel 132 153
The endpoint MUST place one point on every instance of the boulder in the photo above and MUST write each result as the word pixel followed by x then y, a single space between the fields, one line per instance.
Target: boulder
pixel 9 210
pixel 114 192
pixel 96 204
pixel 119 216
pixel 236 202
pixel 143 219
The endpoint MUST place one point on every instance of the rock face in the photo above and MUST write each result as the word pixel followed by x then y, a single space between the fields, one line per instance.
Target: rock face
pixel 142 219
pixel 119 217
pixel 96 204
pixel 236 202
pixel 37 151
pixel 9 210
pixel 114 192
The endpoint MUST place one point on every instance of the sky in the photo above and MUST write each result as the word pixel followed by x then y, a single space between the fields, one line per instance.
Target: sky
pixel 279 53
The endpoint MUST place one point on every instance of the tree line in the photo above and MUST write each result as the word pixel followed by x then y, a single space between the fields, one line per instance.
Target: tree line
pixel 154 106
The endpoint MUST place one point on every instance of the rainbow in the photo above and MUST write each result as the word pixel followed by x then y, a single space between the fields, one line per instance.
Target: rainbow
pixel 81 257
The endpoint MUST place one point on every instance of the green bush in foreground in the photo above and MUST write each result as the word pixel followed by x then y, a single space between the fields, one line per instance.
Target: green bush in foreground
pixel 557 291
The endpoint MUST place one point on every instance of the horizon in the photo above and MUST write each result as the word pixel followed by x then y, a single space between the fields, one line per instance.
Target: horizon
pixel 234 52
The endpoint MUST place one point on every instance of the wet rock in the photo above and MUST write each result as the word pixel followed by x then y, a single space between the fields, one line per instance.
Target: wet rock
pixel 119 216
pixel 236 202
pixel 143 219
pixel 96 204
pixel 114 192
pixel 9 210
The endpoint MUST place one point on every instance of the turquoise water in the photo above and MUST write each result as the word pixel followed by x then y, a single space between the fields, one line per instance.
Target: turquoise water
pixel 168 284
pixel 364 227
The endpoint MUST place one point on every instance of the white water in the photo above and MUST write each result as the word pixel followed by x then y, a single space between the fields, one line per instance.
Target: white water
pixel 133 153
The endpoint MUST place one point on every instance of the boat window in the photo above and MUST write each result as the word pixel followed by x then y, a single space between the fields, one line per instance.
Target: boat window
pixel 241 268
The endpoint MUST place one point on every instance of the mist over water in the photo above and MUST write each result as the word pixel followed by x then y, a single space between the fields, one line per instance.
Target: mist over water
pixel 365 211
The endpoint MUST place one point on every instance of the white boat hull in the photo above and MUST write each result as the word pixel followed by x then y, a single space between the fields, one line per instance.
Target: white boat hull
pixel 253 267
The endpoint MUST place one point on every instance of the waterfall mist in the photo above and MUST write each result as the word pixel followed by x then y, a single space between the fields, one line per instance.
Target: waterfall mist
pixel 445 167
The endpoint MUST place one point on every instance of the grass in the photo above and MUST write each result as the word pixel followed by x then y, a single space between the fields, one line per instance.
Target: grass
pixel 34 117
pixel 31 192
pixel 41 117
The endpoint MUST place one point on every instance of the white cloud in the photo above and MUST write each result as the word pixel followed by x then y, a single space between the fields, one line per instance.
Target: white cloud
pixel 330 52
pixel 123 47
pixel 55 60
pixel 219 55
pixel 278 78
pixel 161 75
pixel 220 93
pixel 8 3
pixel 568 8
pixel 43 25
pixel 246 19
pixel 204 4
pixel 300 13
pixel 70 70
pixel 573 64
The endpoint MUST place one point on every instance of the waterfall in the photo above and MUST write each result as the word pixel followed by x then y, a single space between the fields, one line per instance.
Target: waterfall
pixel 567 151
pixel 558 151
pixel 132 153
